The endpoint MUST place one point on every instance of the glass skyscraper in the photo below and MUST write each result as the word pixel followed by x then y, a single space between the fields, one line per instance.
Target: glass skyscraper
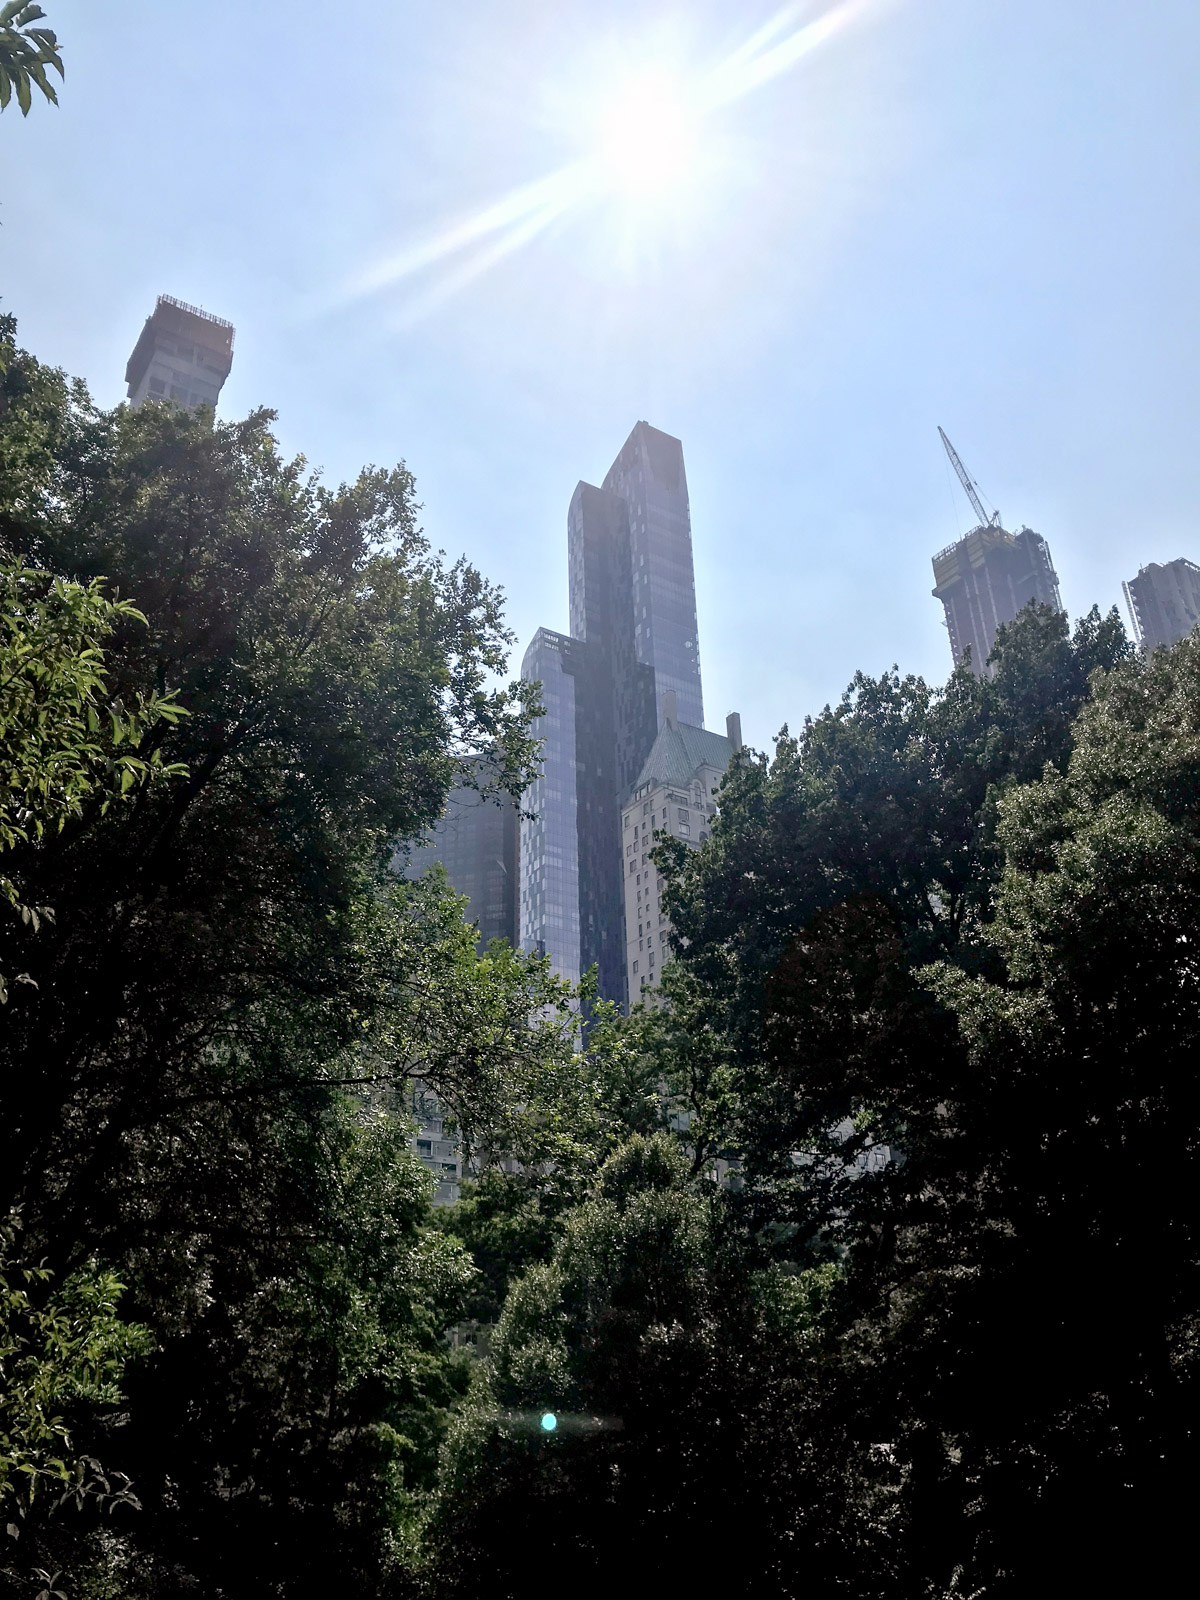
pixel 648 477
pixel 549 908
pixel 633 638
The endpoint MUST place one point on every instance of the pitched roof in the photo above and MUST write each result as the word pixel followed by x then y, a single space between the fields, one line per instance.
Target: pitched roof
pixel 680 750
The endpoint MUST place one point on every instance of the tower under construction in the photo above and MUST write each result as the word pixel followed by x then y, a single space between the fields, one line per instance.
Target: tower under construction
pixel 182 354
pixel 985 578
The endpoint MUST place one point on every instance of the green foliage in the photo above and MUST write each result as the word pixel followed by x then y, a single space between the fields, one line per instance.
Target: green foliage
pixel 887 800
pixel 25 53
pixel 934 1001
pixel 66 741
pixel 60 1349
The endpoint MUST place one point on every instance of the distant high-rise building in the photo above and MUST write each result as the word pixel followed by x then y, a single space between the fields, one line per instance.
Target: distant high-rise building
pixel 182 354
pixel 1164 603
pixel 549 903
pixel 476 842
pixel 633 637
pixel 675 796
pixel 984 580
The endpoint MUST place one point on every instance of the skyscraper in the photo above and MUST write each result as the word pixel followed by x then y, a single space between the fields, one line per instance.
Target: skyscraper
pixel 633 637
pixel 1164 603
pixel 984 579
pixel 182 354
pixel 476 842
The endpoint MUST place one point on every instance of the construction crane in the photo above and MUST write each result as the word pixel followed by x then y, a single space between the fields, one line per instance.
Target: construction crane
pixel 969 484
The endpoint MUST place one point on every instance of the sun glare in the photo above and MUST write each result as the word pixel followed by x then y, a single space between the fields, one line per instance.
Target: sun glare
pixel 648 137
pixel 646 144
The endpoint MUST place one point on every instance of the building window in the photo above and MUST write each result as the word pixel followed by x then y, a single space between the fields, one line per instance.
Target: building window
pixel 635 967
pixel 685 831
pixel 157 386
pixel 683 816
pixel 424 1147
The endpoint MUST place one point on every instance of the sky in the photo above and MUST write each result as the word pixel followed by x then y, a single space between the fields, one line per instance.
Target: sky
pixel 879 218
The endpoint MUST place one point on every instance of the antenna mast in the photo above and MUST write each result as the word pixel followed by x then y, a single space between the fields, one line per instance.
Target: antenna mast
pixel 969 484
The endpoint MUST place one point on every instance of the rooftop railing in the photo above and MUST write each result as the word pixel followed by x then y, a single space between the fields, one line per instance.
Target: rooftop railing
pixel 196 311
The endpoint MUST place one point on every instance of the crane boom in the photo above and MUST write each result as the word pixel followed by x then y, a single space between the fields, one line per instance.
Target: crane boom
pixel 968 484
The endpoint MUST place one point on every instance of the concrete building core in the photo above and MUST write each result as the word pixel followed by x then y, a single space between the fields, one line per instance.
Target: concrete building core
pixel 984 580
pixel 675 797
pixel 1164 603
pixel 182 354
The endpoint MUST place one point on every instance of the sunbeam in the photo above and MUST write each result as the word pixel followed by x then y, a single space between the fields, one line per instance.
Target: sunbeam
pixel 647 138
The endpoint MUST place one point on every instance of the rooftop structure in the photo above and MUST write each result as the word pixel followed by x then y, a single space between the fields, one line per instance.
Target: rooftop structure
pixel 674 797
pixel 1164 603
pixel 182 354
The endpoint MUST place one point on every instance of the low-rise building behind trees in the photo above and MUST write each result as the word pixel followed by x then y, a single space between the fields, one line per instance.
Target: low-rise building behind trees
pixel 675 797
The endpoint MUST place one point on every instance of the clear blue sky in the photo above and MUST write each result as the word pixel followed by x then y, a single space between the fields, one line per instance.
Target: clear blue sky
pixel 979 213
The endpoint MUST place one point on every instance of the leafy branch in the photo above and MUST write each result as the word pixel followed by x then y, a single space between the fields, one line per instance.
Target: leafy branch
pixel 25 54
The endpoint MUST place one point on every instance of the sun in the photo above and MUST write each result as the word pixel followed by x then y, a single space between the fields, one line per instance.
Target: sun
pixel 647 137
pixel 650 150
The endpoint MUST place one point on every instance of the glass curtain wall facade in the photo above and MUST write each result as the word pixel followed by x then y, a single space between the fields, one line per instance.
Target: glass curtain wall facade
pixel 549 904
pixel 648 475
pixel 476 842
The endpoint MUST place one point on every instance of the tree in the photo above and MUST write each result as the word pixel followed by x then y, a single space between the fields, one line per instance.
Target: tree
pixel 25 54
pixel 209 1087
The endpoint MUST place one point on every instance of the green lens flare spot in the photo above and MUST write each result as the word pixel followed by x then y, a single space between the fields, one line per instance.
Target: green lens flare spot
pixel 549 1422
